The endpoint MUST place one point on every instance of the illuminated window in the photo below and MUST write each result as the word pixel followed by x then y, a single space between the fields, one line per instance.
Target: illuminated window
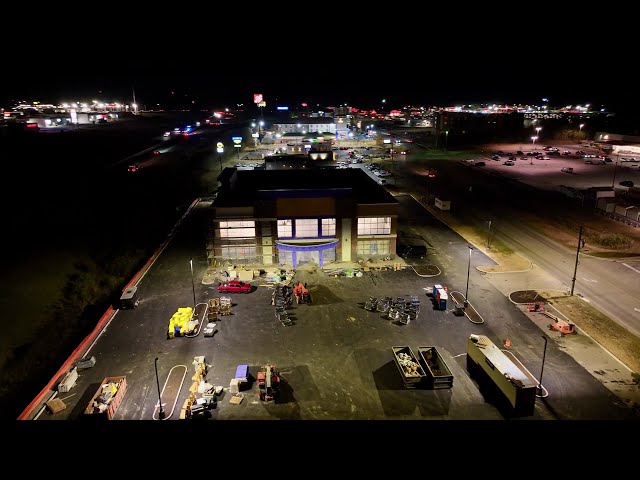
pixel 373 247
pixel 328 227
pixel 232 252
pixel 285 228
pixel 238 229
pixel 306 228
pixel 374 225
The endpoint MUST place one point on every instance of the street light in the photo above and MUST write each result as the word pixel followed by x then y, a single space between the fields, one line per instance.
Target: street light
pixel 538 131
pixel 581 125
pixel 489 235
pixel 161 411
pixel 193 285
pixel 615 167
pixel 533 142
pixel 446 139
pixel 466 300
pixel 544 354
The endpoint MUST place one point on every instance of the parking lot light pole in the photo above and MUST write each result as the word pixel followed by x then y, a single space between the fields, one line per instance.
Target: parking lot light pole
pixel 466 293
pixel 193 285
pixel 161 410
pixel 615 167
pixel 533 142
pixel 489 235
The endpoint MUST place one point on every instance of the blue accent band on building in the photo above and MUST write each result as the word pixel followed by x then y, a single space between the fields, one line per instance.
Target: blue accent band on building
pixel 319 247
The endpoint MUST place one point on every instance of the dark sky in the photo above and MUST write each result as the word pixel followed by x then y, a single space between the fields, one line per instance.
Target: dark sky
pixel 507 57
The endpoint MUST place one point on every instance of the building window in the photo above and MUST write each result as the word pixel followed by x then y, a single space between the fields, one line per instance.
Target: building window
pixel 285 228
pixel 328 227
pixel 374 225
pixel 373 247
pixel 232 252
pixel 306 228
pixel 238 229
pixel 329 255
pixel 285 257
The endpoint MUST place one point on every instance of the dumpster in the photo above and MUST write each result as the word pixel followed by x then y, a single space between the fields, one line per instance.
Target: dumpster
pixel 438 374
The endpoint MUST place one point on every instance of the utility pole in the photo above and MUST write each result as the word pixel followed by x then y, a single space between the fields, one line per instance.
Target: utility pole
pixel 544 354
pixel 575 271
pixel 489 236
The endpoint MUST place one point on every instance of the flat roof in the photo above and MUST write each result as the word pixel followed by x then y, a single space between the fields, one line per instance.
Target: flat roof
pixel 247 186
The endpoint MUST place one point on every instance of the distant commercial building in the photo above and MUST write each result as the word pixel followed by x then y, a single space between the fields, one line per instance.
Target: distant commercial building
pixel 306 125
pixel 301 216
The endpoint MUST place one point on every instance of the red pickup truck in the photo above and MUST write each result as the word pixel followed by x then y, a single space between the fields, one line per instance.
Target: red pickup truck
pixel 234 286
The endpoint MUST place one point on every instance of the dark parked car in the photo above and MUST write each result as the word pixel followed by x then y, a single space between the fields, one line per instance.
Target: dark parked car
pixel 480 164
pixel 626 183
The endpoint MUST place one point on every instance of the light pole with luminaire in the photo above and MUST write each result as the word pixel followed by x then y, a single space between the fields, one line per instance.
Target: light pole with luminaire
pixel 161 410
pixel 193 285
pixel 538 132
pixel 466 293
pixel 533 142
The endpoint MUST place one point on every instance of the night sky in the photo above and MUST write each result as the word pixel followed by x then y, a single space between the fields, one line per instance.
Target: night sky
pixel 578 58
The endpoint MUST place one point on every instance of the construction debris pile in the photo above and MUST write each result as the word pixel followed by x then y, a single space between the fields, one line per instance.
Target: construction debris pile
pixel 400 309
pixel 410 367
pixel 181 323
pixel 105 397
pixel 202 395
pixel 432 363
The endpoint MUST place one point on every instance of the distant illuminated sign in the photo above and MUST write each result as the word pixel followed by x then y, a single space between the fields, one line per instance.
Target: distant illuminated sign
pixel 255 135
pixel 257 98
pixel 386 140
pixel 236 139
pixel 219 147
pixel 262 104
pixel 282 108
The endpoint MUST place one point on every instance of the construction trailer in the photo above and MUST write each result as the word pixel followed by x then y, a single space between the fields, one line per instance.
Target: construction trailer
pixel 510 384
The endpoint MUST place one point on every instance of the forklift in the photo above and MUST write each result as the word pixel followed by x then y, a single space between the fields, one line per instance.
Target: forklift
pixel 268 383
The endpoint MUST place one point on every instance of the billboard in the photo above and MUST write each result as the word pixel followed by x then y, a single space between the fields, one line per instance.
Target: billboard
pixel 257 98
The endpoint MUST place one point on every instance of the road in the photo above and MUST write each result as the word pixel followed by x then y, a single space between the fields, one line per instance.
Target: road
pixel 608 285
pixel 611 286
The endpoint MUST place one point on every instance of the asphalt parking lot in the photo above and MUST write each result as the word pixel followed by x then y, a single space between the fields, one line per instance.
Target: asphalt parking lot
pixel 336 359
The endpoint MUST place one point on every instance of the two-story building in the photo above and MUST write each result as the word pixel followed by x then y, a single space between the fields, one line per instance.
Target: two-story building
pixel 315 215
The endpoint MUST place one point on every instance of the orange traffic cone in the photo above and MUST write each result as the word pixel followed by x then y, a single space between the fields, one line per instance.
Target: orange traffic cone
pixel 507 343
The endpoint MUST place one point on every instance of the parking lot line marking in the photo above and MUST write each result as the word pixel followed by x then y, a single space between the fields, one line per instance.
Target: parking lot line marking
pixel 632 268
